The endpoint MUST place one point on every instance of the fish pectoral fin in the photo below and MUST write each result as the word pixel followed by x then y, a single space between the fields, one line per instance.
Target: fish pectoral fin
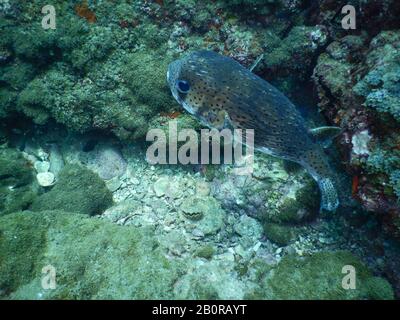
pixel 214 119
pixel 325 135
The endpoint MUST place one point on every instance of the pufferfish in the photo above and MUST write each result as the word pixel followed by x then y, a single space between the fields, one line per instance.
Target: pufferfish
pixel 222 93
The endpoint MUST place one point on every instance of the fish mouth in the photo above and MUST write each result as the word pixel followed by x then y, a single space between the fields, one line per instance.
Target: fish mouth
pixel 173 71
pixel 188 108
pixel 172 76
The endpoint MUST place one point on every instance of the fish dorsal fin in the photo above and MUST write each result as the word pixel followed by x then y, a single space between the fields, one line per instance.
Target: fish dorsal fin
pixel 255 64
pixel 325 135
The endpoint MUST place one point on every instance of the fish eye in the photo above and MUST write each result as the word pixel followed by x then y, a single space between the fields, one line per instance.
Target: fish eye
pixel 183 86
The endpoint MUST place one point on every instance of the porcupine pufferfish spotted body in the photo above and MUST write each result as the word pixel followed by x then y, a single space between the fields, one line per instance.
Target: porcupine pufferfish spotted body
pixel 220 92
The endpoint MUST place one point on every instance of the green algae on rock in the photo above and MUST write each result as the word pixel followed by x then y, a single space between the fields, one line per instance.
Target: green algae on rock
pixel 93 259
pixel 166 122
pixel 17 187
pixel 206 252
pixel 297 205
pixel 85 76
pixel 380 86
pixel 22 245
pixel 210 280
pixel 280 234
pixel 82 104
pixel 296 52
pixel 14 169
pixel 77 190
pixel 320 276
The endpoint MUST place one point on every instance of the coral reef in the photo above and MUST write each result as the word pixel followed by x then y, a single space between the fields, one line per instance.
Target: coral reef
pixel 350 81
pixel 76 103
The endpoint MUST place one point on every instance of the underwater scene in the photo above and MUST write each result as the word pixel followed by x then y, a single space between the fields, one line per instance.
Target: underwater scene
pixel 200 150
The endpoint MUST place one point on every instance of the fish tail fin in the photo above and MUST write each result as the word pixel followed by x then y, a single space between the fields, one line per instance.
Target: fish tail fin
pixel 329 195
pixel 315 162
